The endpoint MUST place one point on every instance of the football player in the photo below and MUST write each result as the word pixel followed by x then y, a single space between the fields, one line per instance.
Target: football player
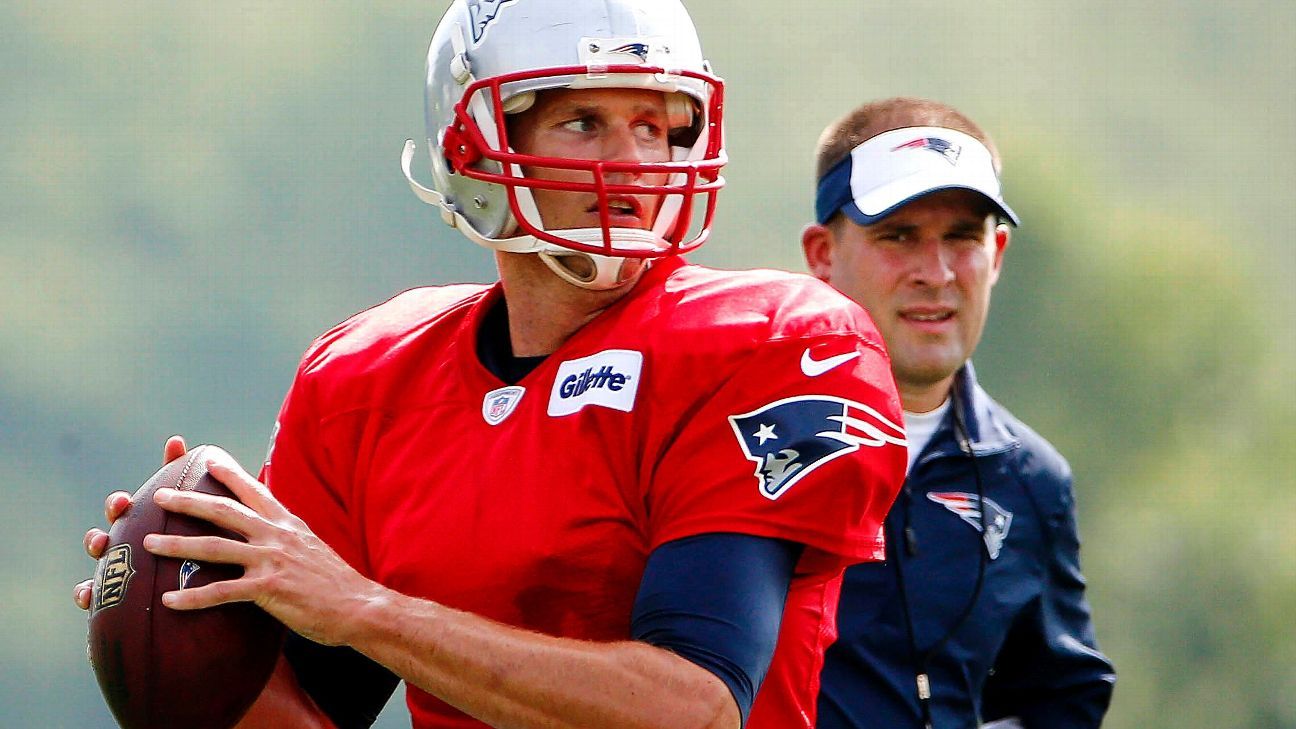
pixel 979 610
pixel 612 489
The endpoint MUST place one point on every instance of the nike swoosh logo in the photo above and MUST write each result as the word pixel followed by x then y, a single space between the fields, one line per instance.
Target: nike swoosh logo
pixel 814 367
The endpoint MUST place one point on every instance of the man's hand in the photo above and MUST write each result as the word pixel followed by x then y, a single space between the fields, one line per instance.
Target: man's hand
pixel 96 540
pixel 287 568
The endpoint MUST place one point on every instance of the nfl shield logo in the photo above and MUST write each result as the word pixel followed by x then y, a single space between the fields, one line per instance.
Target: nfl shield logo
pixel 499 404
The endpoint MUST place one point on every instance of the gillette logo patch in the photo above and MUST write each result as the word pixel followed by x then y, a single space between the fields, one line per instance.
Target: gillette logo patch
pixel 608 379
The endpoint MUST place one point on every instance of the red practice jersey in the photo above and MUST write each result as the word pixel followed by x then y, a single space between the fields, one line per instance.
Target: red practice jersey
pixel 757 402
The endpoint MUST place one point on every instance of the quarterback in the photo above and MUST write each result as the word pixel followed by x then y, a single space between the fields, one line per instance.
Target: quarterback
pixel 612 489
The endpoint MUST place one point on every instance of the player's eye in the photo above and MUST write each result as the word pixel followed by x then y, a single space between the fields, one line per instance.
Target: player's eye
pixel 648 131
pixel 581 124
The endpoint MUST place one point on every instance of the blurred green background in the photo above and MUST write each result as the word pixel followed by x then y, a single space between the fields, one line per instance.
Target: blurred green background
pixel 193 191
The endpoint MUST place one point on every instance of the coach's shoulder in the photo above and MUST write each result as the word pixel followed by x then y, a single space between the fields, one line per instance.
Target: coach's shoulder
pixel 1040 467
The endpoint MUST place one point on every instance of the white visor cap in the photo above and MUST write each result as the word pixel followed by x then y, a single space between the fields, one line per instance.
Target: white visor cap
pixel 897 167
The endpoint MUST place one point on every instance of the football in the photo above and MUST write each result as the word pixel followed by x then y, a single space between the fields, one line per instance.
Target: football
pixel 158 667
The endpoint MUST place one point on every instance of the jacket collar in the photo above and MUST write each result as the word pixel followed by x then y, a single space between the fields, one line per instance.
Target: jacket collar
pixel 987 433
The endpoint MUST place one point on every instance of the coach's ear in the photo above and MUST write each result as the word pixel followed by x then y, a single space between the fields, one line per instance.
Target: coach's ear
pixel 819 246
pixel 1002 236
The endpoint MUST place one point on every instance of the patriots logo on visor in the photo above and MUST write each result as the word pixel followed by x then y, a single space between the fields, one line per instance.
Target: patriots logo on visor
pixel 945 148
pixel 968 508
pixel 789 438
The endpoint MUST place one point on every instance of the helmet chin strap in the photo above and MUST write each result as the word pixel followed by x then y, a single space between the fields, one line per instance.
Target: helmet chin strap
pixel 596 272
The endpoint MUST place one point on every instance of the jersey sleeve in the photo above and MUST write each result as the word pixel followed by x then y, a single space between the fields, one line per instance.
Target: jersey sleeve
pixel 305 474
pixel 803 441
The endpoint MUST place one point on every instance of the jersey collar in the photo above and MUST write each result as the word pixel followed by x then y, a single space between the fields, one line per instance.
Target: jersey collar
pixel 987 433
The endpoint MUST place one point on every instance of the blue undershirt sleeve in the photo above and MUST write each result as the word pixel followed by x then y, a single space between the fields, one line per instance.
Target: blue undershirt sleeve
pixel 717 601
pixel 347 686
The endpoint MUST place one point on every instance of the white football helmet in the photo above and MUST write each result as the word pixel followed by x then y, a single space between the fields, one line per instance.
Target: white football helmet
pixel 489 58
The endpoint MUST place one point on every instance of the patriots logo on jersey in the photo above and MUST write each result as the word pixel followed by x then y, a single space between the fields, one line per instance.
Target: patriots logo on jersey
pixel 945 148
pixel 482 13
pixel 968 508
pixel 791 437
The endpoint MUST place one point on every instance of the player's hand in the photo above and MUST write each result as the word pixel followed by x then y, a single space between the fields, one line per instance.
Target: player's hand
pixel 96 539
pixel 286 567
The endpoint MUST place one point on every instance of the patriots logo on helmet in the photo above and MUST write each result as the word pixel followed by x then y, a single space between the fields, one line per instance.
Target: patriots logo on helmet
pixel 968 508
pixel 482 13
pixel 945 148
pixel 639 50
pixel 789 438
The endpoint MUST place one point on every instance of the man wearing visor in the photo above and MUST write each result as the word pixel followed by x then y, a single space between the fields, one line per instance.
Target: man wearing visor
pixel 612 489
pixel 978 613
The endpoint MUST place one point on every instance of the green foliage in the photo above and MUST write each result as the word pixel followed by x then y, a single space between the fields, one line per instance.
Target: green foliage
pixel 193 191
pixel 1141 344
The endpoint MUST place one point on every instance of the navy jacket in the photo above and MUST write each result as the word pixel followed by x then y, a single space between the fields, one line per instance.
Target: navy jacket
pixel 1026 646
